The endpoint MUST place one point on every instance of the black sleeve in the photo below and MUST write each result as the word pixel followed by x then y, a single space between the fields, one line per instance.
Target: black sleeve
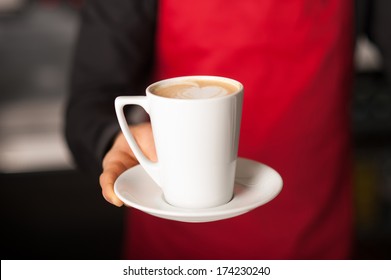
pixel 113 56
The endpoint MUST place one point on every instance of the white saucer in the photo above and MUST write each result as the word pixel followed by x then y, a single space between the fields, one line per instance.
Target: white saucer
pixel 256 184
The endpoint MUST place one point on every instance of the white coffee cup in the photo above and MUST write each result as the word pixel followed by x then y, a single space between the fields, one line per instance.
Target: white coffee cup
pixel 196 138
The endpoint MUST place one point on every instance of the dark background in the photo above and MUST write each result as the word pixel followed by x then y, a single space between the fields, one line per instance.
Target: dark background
pixel 49 210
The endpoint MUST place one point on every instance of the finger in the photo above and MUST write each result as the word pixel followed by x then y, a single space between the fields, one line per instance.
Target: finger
pixel 121 159
pixel 144 138
pixel 106 180
pixel 114 164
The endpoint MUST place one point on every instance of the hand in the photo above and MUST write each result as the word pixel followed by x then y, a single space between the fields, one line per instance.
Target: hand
pixel 120 158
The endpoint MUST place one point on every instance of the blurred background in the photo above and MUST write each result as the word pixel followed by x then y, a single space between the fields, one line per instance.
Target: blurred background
pixel 49 210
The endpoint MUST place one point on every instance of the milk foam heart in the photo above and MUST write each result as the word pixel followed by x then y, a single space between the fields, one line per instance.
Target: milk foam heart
pixel 195 89
pixel 195 92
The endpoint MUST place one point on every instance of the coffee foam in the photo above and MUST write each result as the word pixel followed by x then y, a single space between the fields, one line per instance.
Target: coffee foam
pixel 195 89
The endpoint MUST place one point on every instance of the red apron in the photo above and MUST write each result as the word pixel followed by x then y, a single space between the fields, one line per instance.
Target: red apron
pixel 294 59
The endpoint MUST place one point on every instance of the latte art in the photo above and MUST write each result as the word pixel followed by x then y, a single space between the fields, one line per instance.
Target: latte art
pixel 195 89
pixel 203 92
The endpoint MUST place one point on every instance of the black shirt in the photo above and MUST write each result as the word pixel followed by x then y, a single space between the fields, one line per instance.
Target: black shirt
pixel 113 56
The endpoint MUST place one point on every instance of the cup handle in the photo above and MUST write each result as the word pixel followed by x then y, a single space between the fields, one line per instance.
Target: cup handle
pixel 120 102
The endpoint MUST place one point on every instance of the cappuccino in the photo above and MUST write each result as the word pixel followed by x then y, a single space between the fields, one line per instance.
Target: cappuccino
pixel 195 89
